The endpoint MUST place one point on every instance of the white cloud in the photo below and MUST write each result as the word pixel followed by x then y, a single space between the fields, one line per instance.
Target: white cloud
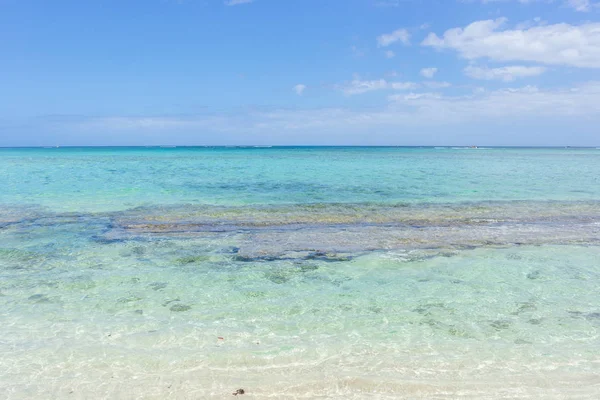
pixel 506 74
pixel 428 72
pixel 559 44
pixel 390 54
pixel 387 39
pixel 388 3
pixel 358 86
pixel 299 89
pixel 436 85
pixel 580 5
pixel 431 108
pixel 577 5
pixel 402 85
pixel 399 98
pixel 237 2
pixel 527 102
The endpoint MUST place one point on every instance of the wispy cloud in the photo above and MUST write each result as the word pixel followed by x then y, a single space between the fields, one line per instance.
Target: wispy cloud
pixel 580 5
pixel 506 1
pixel 389 54
pixel 387 3
pixel 436 85
pixel 299 89
pixel 403 85
pixel 577 5
pixel 387 39
pixel 358 86
pixel 506 74
pixel 428 72
pixel 237 2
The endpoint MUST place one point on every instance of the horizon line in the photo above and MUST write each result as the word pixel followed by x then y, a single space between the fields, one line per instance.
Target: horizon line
pixel 169 146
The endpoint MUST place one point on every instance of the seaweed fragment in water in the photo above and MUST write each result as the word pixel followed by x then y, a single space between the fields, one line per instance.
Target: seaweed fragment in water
pixel 39 298
pixel 158 285
pixel 180 307
pixel 533 275
pixel 526 306
pixel 500 324
pixel 197 259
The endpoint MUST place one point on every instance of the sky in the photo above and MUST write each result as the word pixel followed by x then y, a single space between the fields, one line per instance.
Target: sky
pixel 300 72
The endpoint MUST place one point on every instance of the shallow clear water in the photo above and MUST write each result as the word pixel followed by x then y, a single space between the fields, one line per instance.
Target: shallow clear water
pixel 300 273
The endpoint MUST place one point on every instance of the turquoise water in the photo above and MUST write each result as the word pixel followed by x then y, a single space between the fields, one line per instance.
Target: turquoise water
pixel 300 273
pixel 84 179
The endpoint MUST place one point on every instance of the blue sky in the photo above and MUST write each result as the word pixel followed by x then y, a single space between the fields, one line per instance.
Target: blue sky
pixel 372 72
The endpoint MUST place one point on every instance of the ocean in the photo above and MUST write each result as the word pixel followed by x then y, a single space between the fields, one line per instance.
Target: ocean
pixel 300 273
